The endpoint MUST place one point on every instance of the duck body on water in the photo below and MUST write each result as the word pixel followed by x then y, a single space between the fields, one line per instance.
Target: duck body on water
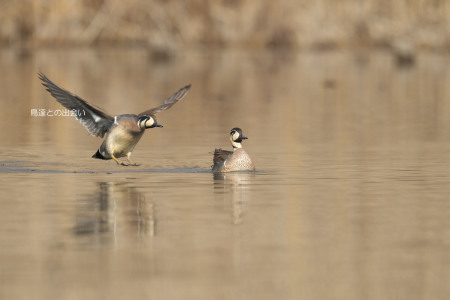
pixel 233 161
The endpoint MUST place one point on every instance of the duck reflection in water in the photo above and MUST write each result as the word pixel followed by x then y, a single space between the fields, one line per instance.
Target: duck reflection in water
pixel 117 208
pixel 232 189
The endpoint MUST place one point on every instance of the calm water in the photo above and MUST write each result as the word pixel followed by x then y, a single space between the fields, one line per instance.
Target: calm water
pixel 350 201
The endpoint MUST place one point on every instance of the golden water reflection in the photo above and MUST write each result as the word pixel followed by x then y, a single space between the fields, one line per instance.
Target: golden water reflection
pixel 232 189
pixel 115 208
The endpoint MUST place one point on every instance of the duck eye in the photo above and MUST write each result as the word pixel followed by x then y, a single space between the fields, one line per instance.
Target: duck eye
pixel 235 135
pixel 142 119
pixel 142 122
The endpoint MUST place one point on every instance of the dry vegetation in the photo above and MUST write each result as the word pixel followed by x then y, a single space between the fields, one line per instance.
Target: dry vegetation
pixel 169 24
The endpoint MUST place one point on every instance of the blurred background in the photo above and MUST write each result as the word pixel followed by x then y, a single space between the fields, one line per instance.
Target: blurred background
pixel 171 25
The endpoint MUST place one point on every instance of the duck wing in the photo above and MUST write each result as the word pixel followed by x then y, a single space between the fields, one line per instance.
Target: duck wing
pixel 168 103
pixel 220 156
pixel 94 119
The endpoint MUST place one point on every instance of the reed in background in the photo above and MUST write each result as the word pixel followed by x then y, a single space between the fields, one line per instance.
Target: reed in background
pixel 265 23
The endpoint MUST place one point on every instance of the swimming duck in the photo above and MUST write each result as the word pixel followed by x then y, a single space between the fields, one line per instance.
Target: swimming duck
pixel 122 132
pixel 236 160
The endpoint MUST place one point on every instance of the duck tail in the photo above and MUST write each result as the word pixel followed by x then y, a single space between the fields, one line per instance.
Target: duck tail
pixel 98 155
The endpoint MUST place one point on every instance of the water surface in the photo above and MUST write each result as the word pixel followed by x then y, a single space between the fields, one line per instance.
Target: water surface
pixel 350 200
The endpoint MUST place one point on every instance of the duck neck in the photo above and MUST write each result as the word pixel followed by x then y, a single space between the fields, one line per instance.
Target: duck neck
pixel 236 145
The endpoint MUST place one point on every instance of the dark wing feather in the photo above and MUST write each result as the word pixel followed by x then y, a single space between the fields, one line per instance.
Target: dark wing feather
pixel 221 155
pixel 93 118
pixel 169 102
